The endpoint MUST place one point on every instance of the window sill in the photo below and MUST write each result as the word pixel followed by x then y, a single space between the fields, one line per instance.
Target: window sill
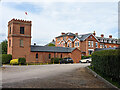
pixel 22 46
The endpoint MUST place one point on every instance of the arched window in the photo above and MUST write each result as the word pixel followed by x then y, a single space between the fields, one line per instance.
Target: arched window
pixel 61 55
pixel 49 56
pixel 36 55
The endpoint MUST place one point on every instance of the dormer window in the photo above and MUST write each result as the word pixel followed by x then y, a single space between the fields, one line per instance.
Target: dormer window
pixel 58 39
pixel 78 43
pixel 21 30
pixel 109 41
pixel 75 44
pixel 101 40
pixel 113 41
pixel 70 44
pixel 105 40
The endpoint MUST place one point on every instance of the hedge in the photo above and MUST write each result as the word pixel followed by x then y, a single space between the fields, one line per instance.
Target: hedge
pixel 56 60
pixel 6 58
pixel 22 61
pixel 107 62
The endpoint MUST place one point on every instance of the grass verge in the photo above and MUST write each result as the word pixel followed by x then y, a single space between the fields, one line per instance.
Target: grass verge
pixel 106 78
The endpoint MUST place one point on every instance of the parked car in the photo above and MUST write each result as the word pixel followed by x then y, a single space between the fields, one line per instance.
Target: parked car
pixel 87 60
pixel 66 60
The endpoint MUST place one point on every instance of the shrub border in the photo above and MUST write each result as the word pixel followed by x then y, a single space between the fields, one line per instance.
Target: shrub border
pixel 101 78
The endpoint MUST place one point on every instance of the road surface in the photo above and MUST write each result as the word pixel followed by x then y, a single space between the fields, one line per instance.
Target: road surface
pixel 50 76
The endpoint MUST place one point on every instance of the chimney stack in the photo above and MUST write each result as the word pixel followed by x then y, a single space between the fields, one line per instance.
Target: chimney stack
pixel 94 33
pixel 62 33
pixel 102 35
pixel 110 36
pixel 76 34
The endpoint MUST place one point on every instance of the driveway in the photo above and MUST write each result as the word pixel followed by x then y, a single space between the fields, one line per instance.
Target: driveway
pixel 50 76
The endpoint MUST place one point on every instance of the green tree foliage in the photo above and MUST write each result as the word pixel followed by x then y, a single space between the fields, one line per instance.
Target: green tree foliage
pixel 4 46
pixel 6 58
pixel 50 44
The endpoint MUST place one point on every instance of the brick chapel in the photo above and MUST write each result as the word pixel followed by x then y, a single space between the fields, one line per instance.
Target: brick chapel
pixel 19 45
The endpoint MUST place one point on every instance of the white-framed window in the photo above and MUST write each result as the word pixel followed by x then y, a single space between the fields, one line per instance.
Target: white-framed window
pixel 90 36
pixel 105 40
pixel 114 41
pixel 78 43
pixel 101 40
pixel 75 44
pixel 70 44
pixel 109 46
pixel 100 46
pixel 114 46
pixel 105 46
pixel 89 43
pixel 109 41
pixel 96 44
pixel 63 44
pixel 58 39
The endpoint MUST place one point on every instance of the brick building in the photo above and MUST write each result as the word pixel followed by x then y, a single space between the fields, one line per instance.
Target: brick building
pixel 87 43
pixel 19 45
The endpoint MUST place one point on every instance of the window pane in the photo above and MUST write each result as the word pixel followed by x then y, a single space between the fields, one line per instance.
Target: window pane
pixel 21 42
pixel 10 31
pixel 21 30
pixel 9 43
pixel 49 56
pixel 37 55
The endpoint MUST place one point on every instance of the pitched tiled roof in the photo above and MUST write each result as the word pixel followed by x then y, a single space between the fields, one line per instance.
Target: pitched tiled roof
pixel 84 36
pixel 106 38
pixel 35 48
pixel 67 34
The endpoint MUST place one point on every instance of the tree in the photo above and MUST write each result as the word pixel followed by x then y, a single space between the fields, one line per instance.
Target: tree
pixel 50 44
pixel 4 46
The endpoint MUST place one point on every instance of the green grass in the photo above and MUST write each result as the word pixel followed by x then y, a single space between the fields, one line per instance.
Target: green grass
pixel 106 78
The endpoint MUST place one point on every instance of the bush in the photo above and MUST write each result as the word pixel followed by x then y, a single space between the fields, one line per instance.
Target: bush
pixel 22 61
pixel 85 57
pixel 107 62
pixel 56 60
pixel 6 58
pixel 14 62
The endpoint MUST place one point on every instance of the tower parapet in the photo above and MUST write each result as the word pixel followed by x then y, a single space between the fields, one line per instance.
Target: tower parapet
pixel 19 21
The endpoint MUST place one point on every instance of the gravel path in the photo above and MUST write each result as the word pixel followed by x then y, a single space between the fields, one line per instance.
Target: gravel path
pixel 69 76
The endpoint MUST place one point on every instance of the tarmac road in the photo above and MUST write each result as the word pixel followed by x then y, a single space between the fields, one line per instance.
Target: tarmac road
pixel 50 76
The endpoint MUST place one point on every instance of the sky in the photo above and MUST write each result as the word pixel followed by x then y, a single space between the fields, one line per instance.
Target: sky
pixel 49 19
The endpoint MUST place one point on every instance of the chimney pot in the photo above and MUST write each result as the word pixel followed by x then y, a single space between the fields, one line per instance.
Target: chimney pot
pixel 110 36
pixel 62 33
pixel 94 33
pixel 76 34
pixel 102 35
